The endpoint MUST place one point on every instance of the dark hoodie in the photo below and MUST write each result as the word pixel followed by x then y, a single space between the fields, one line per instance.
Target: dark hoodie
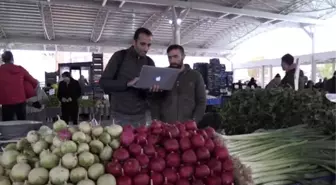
pixel 288 80
pixel 186 101
pixel 16 84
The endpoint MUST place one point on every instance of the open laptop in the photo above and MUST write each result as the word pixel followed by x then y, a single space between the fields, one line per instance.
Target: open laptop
pixel 165 78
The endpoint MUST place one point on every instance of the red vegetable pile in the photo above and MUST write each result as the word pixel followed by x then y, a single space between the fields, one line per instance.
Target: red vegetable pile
pixel 170 154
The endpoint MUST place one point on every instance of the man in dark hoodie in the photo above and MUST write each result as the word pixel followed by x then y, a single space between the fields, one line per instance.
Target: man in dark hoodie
pixel 187 99
pixel 288 65
pixel 128 104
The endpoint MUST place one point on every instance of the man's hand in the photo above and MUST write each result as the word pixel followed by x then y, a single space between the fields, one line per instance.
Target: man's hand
pixel 155 88
pixel 69 99
pixel 64 100
pixel 133 82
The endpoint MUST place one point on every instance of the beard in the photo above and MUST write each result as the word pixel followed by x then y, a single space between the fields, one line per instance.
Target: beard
pixel 176 66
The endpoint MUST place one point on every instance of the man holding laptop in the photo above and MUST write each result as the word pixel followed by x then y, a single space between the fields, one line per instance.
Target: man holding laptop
pixel 129 105
pixel 186 100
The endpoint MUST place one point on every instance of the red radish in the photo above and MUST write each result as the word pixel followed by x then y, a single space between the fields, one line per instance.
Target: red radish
pixel 189 157
pixel 156 124
pixel 157 131
pixel 215 166
pixel 144 170
pixel 141 138
pixel 191 125
pixel 227 165
pixel 185 144
pixel 135 149
pixel 142 129
pixel 173 160
pixel 221 153
pixel 184 134
pixel 171 145
pixel 149 150
pixel 170 175
pixel 197 140
pixel 131 167
pixel 203 133
pixel 143 160
pixel 210 131
pixel 127 128
pixel 157 178
pixel 213 180
pixel 227 178
pixel 114 168
pixel 124 180
pixel 153 139
pixel 202 171
pixel 210 145
pixel 64 134
pixel 141 179
pixel 197 182
pixel 203 153
pixel 186 171
pixel 181 127
pixel 173 132
pixel 183 182
pixel 121 154
pixel 157 164
pixel 161 152
pixel 127 137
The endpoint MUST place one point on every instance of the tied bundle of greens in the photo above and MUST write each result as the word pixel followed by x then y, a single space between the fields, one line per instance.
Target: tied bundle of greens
pixel 250 110
pixel 285 156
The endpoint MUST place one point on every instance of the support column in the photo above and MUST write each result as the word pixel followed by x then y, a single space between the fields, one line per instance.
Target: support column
pixel 176 27
pixel 263 76
pixel 313 70
pixel 271 72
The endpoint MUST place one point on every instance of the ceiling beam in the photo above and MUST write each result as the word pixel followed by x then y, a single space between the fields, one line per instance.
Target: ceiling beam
pixel 99 24
pixel 155 20
pixel 47 21
pixel 210 7
pixel 105 44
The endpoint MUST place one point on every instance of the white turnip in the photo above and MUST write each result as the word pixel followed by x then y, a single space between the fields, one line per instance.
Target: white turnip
pixel 79 137
pixel 106 179
pixel 49 160
pixel 114 130
pixel 20 172
pixel 38 176
pixel 78 174
pixel 8 158
pixel 68 147
pixel 59 124
pixel 86 159
pixel 85 127
pixel 115 144
pixel 69 160
pixel 97 131
pixel 96 146
pixel 105 138
pixel 106 153
pixel 59 175
pixel 95 171
pixel 83 147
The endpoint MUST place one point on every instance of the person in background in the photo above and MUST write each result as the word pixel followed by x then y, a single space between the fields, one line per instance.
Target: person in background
pixel 187 99
pixel 69 91
pixel 288 65
pixel 16 86
pixel 83 83
pixel 275 82
pixel 128 104
pixel 309 85
pixel 319 85
pixel 331 84
pixel 252 83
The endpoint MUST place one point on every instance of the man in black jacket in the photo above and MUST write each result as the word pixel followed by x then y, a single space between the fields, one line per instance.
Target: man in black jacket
pixel 288 65
pixel 128 104
pixel 69 91
pixel 187 99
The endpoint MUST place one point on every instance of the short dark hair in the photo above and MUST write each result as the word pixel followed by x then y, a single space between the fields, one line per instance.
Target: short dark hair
pixel 176 46
pixel 288 59
pixel 277 76
pixel 7 57
pixel 142 31
pixel 66 74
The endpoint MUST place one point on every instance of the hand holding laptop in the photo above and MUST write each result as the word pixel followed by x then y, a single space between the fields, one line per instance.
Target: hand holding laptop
pixel 133 82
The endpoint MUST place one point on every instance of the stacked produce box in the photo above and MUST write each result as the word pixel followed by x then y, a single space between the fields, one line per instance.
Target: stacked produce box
pixel 162 154
pixel 203 69
pixel 214 77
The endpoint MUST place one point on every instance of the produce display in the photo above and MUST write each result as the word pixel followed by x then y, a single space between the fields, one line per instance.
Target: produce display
pixel 61 156
pixel 249 110
pixel 297 154
pixel 161 154
pixel 83 103
pixel 169 154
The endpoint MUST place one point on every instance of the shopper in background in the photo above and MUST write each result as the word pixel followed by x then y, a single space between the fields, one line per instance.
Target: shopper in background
pixel 187 99
pixel 69 91
pixel 331 84
pixel 275 82
pixel 16 86
pixel 252 83
pixel 288 65
pixel 128 104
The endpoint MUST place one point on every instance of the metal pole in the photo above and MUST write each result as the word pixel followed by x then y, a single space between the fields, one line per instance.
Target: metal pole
pixel 176 27
pixel 313 64
pixel 263 76
pixel 271 72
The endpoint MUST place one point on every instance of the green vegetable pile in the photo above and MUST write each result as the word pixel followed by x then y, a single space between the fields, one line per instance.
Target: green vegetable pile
pixel 250 110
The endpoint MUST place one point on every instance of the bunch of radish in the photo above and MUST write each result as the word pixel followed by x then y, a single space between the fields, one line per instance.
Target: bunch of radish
pixel 170 154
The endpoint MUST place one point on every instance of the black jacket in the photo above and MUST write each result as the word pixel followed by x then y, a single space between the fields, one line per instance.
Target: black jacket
pixel 288 80
pixel 71 90
pixel 125 100
pixel 186 101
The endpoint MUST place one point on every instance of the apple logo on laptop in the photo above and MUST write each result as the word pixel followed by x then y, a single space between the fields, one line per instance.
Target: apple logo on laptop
pixel 158 78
